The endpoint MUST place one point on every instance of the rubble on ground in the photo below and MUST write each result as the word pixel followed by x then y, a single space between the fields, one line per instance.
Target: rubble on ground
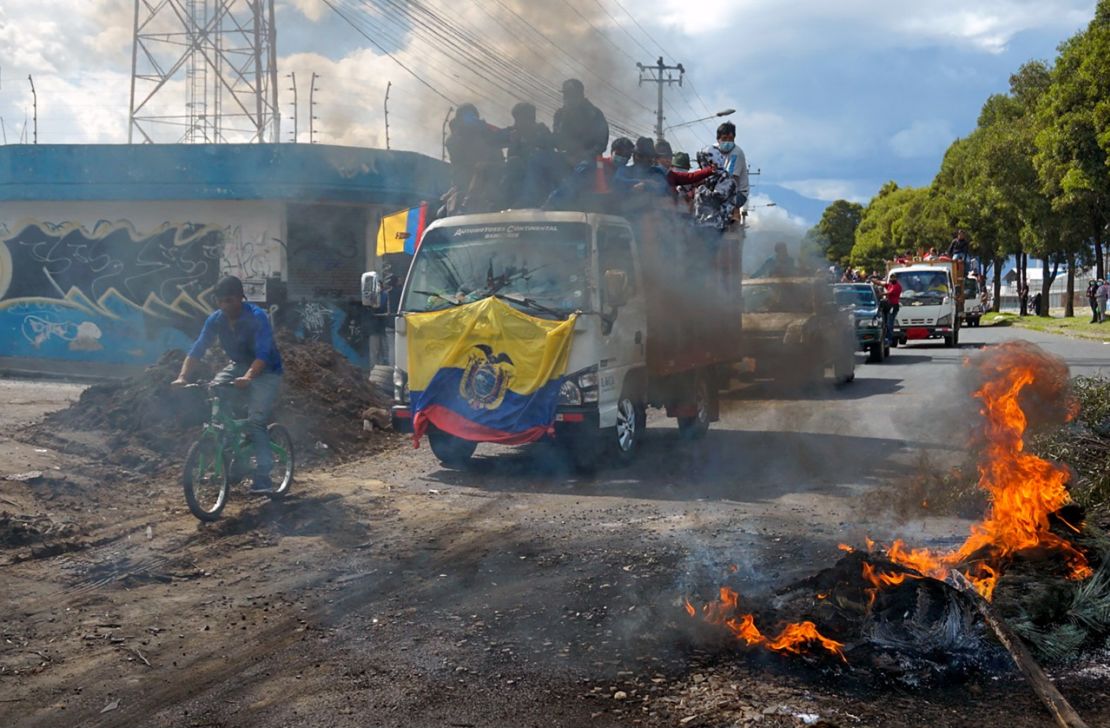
pixel 146 425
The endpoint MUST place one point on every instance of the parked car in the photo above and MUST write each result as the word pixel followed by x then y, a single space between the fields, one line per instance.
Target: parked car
pixel 863 300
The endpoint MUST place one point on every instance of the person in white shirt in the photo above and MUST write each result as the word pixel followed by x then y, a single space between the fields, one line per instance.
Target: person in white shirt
pixel 726 156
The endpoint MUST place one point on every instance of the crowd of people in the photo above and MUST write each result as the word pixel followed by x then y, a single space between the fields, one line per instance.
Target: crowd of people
pixel 529 165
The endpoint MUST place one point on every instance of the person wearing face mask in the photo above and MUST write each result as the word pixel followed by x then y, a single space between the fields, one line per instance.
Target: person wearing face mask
pixel 575 188
pixel 729 158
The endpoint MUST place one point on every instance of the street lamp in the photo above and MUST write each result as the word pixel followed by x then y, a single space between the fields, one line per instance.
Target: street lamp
pixel 724 112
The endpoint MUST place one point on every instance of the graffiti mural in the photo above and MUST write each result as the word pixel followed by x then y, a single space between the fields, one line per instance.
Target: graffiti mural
pixel 107 293
pixel 339 324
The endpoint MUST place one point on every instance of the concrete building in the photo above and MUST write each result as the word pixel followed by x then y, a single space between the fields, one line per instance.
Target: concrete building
pixel 108 252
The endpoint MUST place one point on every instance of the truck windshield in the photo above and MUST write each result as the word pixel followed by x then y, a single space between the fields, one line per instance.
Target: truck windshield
pixel 539 265
pixel 856 296
pixel 923 287
pixel 971 288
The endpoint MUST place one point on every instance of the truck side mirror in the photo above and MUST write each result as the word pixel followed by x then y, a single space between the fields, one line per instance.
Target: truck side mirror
pixel 616 287
pixel 371 289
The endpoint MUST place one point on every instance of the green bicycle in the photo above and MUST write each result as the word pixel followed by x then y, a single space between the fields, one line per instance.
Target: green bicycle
pixel 223 454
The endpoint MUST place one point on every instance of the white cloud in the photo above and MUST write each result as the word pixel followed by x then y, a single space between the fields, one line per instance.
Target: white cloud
pixel 766 216
pixel 826 189
pixel 987 25
pixel 922 138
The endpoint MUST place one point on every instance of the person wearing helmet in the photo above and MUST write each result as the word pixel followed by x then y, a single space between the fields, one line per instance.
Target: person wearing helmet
pixel 246 336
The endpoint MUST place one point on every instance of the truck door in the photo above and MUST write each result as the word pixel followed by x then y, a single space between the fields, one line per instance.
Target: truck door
pixel 623 329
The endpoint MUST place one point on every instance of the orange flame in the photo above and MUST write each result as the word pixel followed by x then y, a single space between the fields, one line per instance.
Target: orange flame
pixel 794 638
pixel 1024 490
pixel 881 580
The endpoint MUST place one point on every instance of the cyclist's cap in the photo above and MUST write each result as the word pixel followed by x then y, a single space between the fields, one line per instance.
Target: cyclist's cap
pixel 228 286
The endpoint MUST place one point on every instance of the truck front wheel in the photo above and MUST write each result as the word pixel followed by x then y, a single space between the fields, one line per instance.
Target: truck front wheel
pixel 631 421
pixel 454 452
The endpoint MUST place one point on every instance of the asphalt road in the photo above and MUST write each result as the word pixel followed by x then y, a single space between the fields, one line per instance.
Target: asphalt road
pixel 393 592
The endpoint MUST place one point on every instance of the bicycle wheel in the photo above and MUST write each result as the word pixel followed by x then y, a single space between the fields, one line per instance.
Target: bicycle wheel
pixel 205 479
pixel 281 473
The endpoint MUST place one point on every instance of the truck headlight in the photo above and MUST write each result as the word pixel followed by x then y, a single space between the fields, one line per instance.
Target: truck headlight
pixel 945 320
pixel 400 386
pixel 570 393
pixel 579 388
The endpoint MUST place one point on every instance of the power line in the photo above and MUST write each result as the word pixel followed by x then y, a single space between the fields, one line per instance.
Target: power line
pixel 377 45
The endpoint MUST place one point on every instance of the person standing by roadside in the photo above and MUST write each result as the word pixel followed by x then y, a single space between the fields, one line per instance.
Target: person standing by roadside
pixel 244 332
pixel 1092 289
pixel 1101 295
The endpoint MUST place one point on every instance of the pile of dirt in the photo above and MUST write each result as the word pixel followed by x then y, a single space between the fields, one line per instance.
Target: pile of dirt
pixel 144 424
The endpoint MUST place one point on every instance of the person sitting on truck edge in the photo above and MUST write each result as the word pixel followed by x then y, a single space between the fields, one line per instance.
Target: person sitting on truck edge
pixel 571 192
pixel 581 130
pixel 246 337
pixel 957 249
pixel 644 174
pixel 728 157
pixel 892 294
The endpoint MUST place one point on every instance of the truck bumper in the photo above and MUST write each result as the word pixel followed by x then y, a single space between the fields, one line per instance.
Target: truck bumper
pixel 568 420
pixel 401 418
pixel 914 333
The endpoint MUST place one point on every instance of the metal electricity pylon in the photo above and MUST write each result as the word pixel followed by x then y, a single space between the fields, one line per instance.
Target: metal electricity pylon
pixel 204 71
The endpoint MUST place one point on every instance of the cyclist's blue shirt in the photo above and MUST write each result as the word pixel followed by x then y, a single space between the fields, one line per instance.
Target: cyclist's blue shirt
pixel 251 338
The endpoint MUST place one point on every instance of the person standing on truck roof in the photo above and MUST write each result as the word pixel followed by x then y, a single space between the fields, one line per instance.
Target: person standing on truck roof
pixel 957 249
pixel 532 167
pixel 474 148
pixel 581 130
pixel 726 156
pixel 244 332
pixel 892 294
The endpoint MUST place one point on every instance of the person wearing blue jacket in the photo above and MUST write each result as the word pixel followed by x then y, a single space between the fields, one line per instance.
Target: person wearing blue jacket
pixel 246 336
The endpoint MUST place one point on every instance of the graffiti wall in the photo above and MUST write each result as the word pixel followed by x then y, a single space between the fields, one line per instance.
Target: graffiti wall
pixel 122 282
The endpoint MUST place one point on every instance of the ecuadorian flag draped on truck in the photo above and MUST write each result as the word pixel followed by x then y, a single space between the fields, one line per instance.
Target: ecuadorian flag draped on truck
pixel 486 372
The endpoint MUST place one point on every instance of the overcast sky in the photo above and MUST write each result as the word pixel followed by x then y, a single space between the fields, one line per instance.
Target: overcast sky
pixel 832 99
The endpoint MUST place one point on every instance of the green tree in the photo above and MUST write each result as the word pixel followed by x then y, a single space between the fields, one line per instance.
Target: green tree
pixel 836 231
pixel 1073 138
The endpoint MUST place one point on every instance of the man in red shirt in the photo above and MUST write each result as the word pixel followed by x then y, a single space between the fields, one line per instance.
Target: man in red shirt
pixel 892 291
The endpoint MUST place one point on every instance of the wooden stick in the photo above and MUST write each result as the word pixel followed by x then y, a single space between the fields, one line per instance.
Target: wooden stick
pixel 1061 710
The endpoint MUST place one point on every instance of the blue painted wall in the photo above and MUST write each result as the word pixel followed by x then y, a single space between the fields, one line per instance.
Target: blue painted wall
pixel 75 288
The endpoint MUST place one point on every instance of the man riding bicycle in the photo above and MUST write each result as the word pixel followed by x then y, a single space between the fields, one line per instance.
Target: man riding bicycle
pixel 245 333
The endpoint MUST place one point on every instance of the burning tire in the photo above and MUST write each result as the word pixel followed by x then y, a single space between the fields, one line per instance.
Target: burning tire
pixel 453 452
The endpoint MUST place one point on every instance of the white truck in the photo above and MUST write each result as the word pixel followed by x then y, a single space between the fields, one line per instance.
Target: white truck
pixel 658 316
pixel 932 301
pixel 973 308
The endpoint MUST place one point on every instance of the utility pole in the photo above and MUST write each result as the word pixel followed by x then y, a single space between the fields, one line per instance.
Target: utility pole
pixel 388 85
pixel 293 77
pixel 312 109
pixel 660 74
pixel 35 108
